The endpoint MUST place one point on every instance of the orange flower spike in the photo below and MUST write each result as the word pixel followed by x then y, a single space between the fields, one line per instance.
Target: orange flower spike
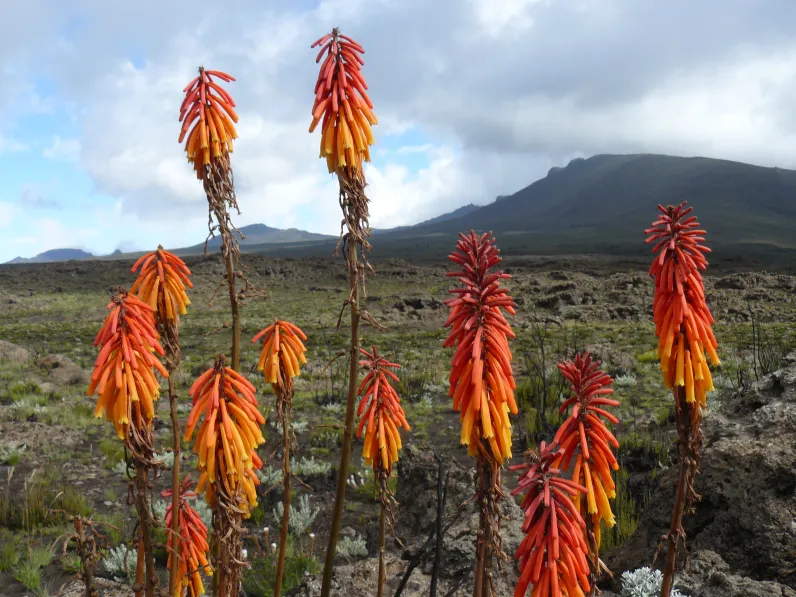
pixel 683 321
pixel 553 554
pixel 585 436
pixel 283 352
pixel 194 548
pixel 229 435
pixel 208 119
pixel 380 411
pixel 342 106
pixel 163 276
pixel 481 379
pixel 124 371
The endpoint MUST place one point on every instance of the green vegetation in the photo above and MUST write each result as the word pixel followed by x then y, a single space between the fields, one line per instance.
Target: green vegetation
pixel 71 564
pixel 258 580
pixel 76 447
pixel 41 494
pixel 626 511
pixel 9 550
pixel 112 449
pixel 114 519
pixel 28 570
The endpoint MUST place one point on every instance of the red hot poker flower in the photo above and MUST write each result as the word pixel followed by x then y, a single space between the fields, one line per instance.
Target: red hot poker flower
pixel 553 553
pixel 123 372
pixel 228 438
pixel 380 409
pixel 283 352
pixel 682 318
pixel 481 380
pixel 584 434
pixel 192 543
pixel 208 116
pixel 342 105
pixel 163 276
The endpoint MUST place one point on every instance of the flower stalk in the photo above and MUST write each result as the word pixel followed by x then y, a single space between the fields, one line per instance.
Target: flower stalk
pixel 281 358
pixel 208 116
pixel 344 111
pixel 381 417
pixel 482 383
pixel 683 324
pixel 553 554
pixel 585 438
pixel 191 542
pixel 161 284
pixel 124 378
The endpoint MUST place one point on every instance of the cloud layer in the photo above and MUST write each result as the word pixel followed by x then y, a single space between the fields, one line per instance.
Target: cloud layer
pixel 475 98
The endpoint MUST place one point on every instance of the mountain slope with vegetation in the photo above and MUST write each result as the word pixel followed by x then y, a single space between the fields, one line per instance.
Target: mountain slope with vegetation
pixel 599 205
pixel 602 204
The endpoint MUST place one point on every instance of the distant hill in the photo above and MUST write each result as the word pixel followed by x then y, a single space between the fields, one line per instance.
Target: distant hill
pixel 602 205
pixel 598 205
pixel 256 234
pixel 456 213
pixel 259 234
pixel 54 255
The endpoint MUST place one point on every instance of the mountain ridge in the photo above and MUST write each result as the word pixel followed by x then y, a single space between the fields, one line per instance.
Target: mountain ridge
pixel 598 205
pixel 65 254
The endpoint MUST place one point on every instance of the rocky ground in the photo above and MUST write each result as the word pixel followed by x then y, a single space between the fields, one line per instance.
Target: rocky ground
pixel 741 537
pixel 746 519
pixel 743 527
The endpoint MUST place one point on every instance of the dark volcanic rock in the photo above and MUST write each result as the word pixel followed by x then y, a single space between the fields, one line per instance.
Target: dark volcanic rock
pixel 709 575
pixel 417 497
pixel 747 480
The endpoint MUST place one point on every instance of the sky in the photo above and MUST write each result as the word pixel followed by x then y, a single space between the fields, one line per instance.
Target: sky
pixel 475 98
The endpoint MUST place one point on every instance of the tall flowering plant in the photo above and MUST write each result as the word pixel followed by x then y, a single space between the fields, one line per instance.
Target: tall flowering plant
pixel 280 361
pixel 381 417
pixel 585 438
pixel 208 118
pixel 344 112
pixel 683 324
pixel 161 284
pixel 226 444
pixel 553 554
pixel 188 549
pixel 481 380
pixel 125 378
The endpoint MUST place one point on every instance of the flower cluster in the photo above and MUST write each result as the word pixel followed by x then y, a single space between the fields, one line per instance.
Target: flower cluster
pixel 193 547
pixel 228 436
pixel 481 380
pixel 161 283
pixel 342 106
pixel 585 437
pixel 208 116
pixel 124 372
pixel 380 411
pixel 682 318
pixel 553 554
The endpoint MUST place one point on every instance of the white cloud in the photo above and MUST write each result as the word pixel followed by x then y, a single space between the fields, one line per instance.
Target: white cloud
pixel 51 233
pixel 11 145
pixel 505 17
pixel 501 92
pixel 425 148
pixel 63 149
